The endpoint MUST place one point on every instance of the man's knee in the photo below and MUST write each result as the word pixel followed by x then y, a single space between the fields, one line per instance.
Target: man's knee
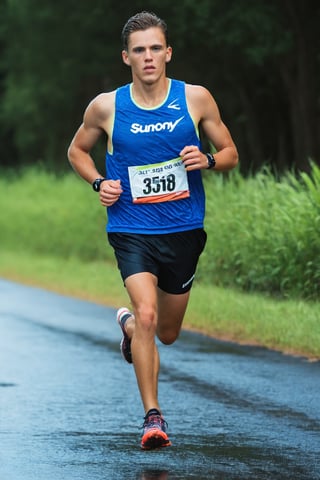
pixel 146 317
pixel 168 337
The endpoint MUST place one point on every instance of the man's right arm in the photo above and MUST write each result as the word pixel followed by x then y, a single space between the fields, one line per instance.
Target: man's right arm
pixel 85 138
pixel 96 121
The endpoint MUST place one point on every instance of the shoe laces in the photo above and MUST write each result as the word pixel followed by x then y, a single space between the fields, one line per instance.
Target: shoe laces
pixel 155 421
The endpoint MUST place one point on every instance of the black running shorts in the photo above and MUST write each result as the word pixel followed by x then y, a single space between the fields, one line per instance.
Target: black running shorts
pixel 171 257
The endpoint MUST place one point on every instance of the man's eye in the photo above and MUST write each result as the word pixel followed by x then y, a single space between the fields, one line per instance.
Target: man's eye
pixel 138 50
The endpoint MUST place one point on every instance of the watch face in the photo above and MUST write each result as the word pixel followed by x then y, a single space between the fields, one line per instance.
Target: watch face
pixel 96 185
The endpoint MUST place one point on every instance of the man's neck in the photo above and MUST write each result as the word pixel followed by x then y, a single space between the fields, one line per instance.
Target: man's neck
pixel 150 95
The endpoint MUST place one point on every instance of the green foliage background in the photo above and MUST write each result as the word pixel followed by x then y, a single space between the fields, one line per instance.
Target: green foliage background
pixel 259 59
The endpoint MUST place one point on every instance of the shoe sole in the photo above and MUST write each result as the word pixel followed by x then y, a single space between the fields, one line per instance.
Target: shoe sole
pixel 125 357
pixel 120 312
pixel 155 439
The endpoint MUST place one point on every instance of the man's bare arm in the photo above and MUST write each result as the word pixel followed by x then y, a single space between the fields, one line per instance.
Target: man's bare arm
pixel 204 110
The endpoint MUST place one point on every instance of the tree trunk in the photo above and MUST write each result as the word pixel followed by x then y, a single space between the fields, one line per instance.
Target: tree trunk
pixel 298 75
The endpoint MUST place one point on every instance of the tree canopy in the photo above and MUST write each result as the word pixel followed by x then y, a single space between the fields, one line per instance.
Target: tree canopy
pixel 259 59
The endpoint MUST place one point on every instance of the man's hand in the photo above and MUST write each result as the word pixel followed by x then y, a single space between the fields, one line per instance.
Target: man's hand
pixel 110 191
pixel 193 158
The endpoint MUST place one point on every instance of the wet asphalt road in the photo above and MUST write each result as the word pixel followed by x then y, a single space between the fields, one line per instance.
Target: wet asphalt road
pixel 69 405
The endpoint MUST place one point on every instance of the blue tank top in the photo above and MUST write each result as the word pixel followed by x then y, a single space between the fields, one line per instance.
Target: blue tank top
pixel 144 141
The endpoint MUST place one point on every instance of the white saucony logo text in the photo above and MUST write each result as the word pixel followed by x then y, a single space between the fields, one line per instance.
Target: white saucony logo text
pixel 154 127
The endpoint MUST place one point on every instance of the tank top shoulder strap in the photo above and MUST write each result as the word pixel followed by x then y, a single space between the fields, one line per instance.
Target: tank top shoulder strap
pixel 123 97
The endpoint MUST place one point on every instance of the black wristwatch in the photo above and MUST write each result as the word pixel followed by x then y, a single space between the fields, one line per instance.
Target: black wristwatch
pixel 97 183
pixel 211 161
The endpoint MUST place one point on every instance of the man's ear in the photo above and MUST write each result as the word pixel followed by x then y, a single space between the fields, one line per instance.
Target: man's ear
pixel 125 57
pixel 169 54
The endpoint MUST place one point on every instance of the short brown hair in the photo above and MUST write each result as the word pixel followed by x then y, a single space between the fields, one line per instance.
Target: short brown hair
pixel 142 21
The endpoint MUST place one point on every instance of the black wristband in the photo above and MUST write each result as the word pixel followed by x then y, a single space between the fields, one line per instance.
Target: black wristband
pixel 211 161
pixel 97 183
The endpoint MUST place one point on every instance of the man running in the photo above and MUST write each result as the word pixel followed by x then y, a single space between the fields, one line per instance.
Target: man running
pixel 154 196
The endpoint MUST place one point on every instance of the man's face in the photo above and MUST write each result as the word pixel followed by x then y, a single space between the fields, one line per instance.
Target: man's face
pixel 147 54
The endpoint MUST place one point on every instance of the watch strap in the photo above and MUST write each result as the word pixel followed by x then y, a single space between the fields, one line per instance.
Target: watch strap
pixel 97 183
pixel 211 161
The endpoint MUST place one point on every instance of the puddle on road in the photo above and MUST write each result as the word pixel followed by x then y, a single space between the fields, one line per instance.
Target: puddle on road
pixel 107 456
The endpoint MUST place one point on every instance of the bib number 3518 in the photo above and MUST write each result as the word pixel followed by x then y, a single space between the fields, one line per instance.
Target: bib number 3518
pixel 154 185
pixel 159 182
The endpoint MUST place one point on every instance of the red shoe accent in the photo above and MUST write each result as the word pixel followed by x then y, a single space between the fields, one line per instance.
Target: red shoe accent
pixel 155 438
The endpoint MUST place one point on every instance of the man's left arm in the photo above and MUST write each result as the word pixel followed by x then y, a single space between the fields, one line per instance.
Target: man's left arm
pixel 204 109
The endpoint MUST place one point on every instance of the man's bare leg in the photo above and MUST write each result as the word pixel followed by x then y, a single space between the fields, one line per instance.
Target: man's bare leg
pixel 142 289
pixel 155 312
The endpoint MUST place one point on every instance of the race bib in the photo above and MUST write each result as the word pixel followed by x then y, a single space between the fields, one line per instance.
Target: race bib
pixel 159 182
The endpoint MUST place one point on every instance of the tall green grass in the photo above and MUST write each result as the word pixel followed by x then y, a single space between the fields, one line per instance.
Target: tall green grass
pixel 263 234
pixel 43 213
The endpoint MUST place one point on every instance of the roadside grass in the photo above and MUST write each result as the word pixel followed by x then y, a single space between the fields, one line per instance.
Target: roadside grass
pixel 291 326
pixel 263 234
pixel 258 279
